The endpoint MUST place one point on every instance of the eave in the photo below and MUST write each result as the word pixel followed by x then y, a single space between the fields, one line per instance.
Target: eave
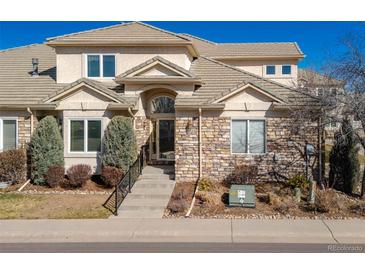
pixel 260 57
pixel 31 106
pixel 203 106
pixel 81 43
pixel 160 80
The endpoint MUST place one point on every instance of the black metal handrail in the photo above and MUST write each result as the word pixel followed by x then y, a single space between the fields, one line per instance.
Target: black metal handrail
pixel 125 185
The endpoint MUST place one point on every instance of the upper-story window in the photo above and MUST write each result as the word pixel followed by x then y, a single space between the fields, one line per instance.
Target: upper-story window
pixel 270 70
pixel 100 65
pixel 286 70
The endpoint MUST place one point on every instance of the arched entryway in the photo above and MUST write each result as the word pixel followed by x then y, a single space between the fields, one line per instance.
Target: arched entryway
pixel 160 110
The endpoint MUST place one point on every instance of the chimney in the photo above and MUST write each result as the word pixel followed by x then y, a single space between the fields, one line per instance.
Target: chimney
pixel 35 63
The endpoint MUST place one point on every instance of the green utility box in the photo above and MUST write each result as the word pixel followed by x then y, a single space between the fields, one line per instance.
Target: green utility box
pixel 242 195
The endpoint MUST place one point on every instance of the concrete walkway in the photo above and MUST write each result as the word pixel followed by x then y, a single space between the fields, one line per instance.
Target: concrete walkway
pixel 150 194
pixel 183 231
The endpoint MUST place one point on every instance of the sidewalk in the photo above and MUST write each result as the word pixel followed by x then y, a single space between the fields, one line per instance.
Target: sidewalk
pixel 183 230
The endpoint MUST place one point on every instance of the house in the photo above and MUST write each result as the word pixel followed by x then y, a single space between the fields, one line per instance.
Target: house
pixel 199 105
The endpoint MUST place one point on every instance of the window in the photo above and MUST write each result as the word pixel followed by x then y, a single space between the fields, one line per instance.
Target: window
pixel 93 66
pixel 85 135
pixel 270 70
pixel 100 65
pixel 248 136
pixel 286 69
pixel 8 133
pixel 162 104
pixel 320 91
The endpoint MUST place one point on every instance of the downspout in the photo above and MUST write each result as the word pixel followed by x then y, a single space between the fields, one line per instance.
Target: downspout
pixel 31 120
pixel 133 117
pixel 200 163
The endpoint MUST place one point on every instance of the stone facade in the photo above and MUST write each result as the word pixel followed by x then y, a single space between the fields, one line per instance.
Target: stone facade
pixel 142 126
pixel 218 162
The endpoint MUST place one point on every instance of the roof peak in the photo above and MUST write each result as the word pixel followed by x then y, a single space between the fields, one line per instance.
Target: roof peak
pixel 122 24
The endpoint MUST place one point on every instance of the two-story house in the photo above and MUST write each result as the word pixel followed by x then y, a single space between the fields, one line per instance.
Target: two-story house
pixel 201 105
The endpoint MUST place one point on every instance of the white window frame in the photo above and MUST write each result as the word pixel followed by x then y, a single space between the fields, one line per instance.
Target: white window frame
pixel 101 65
pixel 270 65
pixel 248 136
pixel 291 69
pixel 85 120
pixel 2 133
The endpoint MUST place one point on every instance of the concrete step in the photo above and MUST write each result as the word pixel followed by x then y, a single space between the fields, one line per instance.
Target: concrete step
pixel 151 191
pixel 146 195
pixel 141 208
pixel 148 185
pixel 155 177
pixel 155 181
pixel 159 202
pixel 144 214
pixel 158 170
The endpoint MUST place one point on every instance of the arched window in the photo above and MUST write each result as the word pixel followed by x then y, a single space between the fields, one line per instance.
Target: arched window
pixel 163 104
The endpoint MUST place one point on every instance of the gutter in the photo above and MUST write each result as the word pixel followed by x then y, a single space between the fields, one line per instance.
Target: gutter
pixel 200 164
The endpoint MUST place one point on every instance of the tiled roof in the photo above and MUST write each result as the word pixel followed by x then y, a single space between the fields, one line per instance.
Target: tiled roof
pixel 159 59
pixel 129 33
pixel 219 79
pixel 17 86
pixel 317 79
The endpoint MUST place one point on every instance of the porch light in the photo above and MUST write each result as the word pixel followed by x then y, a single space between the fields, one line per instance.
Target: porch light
pixel 35 63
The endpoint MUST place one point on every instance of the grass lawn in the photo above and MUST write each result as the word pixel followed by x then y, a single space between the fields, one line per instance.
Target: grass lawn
pixel 327 155
pixel 52 206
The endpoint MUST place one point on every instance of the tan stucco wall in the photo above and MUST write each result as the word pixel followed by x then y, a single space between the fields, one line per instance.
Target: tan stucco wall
pixel 71 60
pixel 259 68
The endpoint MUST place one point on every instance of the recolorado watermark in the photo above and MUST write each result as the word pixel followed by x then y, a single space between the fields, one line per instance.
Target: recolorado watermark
pixel 345 248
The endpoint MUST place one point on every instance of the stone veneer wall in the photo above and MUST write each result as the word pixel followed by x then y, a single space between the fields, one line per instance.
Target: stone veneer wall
pixel 186 149
pixel 218 162
pixel 142 130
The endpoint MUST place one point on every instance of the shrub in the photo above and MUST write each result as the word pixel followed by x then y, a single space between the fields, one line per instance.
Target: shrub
pixel 344 161
pixel 178 206
pixel 46 149
pixel 299 181
pixel 210 198
pixel 13 166
pixel 78 175
pixel 119 144
pixel 55 175
pixel 205 185
pixel 111 176
pixel 244 174
pixel 323 201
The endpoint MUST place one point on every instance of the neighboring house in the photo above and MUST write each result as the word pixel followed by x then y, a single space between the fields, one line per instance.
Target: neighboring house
pixel 201 105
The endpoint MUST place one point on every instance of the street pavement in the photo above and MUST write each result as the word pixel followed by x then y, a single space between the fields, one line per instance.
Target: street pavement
pixel 184 235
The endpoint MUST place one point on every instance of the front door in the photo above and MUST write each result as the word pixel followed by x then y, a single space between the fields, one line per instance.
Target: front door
pixel 163 140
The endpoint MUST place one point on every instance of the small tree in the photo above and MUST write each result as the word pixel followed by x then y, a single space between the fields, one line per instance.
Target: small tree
pixel 119 144
pixel 46 149
pixel 344 162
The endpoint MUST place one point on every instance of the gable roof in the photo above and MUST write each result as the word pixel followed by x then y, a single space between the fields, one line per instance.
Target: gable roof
pixel 128 33
pixel 156 60
pixel 220 79
pixel 94 85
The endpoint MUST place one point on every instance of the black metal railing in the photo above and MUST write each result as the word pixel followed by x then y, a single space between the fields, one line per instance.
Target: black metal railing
pixel 125 185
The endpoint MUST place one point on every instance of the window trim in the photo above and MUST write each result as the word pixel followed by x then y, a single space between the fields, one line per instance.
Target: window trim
pixel 267 74
pixel 286 74
pixel 85 120
pixel 2 118
pixel 248 135
pixel 101 65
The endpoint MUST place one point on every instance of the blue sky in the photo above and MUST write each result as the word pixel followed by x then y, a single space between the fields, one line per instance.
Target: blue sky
pixel 318 40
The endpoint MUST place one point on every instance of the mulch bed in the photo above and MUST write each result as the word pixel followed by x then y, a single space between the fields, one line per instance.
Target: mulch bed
pixel 273 201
